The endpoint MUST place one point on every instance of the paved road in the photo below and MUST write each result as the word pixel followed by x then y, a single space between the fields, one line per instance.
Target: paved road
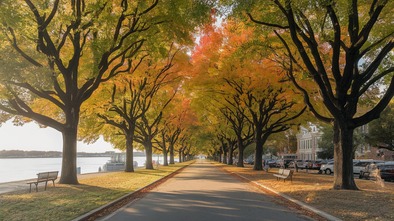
pixel 203 192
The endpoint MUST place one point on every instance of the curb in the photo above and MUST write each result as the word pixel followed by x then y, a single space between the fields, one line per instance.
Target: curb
pixel 299 203
pixel 98 211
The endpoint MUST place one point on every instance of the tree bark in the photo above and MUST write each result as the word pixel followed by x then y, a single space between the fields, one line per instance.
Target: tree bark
pixel 180 155
pixel 258 152
pixel 343 157
pixel 220 157
pixel 241 148
pixel 149 153
pixel 171 150
pixel 225 157
pixel 69 160
pixel 165 155
pixel 230 156
pixel 129 154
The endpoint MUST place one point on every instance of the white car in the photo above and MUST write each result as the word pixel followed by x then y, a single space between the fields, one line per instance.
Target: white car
pixel 358 165
pixel 327 168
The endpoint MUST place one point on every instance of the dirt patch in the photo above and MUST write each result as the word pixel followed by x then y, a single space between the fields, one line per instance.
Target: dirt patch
pixel 374 200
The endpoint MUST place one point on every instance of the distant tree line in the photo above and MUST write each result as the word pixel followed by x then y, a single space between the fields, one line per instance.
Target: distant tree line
pixel 49 154
pixel 28 154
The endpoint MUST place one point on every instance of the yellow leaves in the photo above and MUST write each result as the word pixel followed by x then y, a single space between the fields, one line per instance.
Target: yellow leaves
pixel 44 107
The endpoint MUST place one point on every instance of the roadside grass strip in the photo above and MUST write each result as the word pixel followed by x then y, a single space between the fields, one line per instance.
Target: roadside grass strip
pixel 374 200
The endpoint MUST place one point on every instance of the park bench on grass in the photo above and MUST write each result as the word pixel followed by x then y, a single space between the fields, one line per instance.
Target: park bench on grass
pixel 284 174
pixel 44 177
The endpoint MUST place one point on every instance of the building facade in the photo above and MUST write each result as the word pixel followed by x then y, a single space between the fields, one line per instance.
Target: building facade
pixel 308 142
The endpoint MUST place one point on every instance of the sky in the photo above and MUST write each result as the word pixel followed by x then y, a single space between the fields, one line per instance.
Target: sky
pixel 31 137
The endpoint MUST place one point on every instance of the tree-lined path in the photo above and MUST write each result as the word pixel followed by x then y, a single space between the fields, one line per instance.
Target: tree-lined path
pixel 204 192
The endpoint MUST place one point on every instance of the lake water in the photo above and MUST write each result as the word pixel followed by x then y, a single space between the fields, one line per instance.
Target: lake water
pixel 26 168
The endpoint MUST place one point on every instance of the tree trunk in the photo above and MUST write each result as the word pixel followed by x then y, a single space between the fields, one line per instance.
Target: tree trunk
pixel 258 151
pixel 69 160
pixel 225 157
pixel 230 156
pixel 180 156
pixel 129 154
pixel 343 158
pixel 165 155
pixel 149 153
pixel 171 150
pixel 241 148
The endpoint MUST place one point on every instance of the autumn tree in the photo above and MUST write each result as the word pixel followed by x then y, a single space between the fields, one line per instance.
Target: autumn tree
pixel 162 87
pixel 130 102
pixel 170 130
pixel 251 90
pixel 59 52
pixel 186 149
pixel 217 101
pixel 345 51
pixel 269 112
pixel 52 60
pixel 183 118
pixel 257 86
pixel 235 114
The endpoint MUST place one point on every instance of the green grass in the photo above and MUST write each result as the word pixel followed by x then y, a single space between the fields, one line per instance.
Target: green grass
pixel 66 202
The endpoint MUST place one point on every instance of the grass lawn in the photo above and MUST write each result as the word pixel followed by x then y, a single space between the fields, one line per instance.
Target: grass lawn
pixel 374 201
pixel 66 202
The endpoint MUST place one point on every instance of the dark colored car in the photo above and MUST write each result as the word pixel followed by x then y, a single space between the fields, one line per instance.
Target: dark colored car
pixel 387 171
pixel 271 163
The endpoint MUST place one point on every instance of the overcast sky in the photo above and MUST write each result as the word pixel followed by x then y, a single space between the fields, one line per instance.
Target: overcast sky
pixel 31 137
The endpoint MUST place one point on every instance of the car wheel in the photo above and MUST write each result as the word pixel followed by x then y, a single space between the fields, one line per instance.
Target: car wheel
pixel 328 171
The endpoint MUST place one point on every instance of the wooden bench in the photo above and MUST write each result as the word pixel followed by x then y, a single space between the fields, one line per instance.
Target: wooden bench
pixel 44 177
pixel 284 174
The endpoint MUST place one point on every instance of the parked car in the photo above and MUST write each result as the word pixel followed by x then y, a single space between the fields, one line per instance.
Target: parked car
pixel 384 170
pixel 301 164
pixel 327 168
pixel 283 163
pixel 249 160
pixel 315 165
pixel 359 165
pixel 305 164
pixel 387 170
pixel 271 163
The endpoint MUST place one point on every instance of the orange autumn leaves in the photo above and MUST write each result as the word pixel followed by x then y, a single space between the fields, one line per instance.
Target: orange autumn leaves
pixel 234 52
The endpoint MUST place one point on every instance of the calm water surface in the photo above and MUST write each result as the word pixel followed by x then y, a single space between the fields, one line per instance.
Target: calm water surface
pixel 27 168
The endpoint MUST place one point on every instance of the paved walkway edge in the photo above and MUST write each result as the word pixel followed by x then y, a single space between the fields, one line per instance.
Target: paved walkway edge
pixel 303 205
pixel 90 214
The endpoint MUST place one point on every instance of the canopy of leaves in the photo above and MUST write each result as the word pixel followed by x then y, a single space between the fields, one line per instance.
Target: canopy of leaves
pixel 381 131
